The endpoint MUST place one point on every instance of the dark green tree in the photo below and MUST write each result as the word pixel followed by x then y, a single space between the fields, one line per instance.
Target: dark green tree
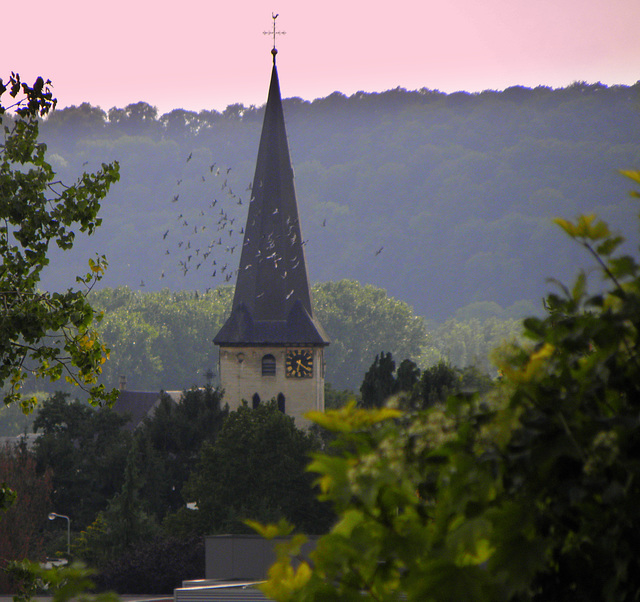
pixel 256 470
pixel 155 566
pixel 379 382
pixel 86 448
pixel 407 375
pixel 435 385
pixel 169 445
pixel 42 333
pixel 122 525
pixel 382 381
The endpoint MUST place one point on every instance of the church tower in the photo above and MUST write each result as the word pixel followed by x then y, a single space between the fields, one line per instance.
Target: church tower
pixel 271 346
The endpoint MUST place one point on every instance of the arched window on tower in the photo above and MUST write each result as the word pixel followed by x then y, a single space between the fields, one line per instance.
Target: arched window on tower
pixel 268 365
pixel 281 402
pixel 255 401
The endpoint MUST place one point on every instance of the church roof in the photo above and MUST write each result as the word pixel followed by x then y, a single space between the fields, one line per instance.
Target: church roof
pixel 272 300
pixel 138 405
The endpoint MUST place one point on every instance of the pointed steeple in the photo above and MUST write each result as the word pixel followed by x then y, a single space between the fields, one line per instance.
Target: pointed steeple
pixel 272 301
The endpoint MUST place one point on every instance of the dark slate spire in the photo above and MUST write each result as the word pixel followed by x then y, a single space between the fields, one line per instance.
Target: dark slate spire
pixel 272 301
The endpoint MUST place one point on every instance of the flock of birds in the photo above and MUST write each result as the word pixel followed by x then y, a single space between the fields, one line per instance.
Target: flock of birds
pixel 208 238
pixel 211 238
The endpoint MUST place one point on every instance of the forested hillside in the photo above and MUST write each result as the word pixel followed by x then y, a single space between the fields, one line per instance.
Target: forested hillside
pixel 441 199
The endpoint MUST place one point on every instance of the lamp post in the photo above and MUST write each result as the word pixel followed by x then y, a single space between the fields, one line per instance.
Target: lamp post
pixel 53 516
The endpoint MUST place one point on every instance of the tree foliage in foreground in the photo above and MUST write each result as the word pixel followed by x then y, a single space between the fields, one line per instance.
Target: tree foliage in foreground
pixel 43 333
pixel 529 494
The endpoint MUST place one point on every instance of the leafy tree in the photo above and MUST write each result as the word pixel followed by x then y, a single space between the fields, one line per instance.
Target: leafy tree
pixel 14 422
pixel 529 494
pixel 43 333
pixel 151 334
pixel 360 320
pixel 334 399
pixel 469 342
pixel 122 525
pixel 415 390
pixel 156 566
pixel 255 469
pixel 379 382
pixel 407 375
pixel 86 448
pixel 383 381
pixel 169 444
pixel 61 584
pixel 22 523
pixel 435 385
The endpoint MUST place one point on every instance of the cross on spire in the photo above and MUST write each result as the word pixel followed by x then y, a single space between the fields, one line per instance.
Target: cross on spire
pixel 274 33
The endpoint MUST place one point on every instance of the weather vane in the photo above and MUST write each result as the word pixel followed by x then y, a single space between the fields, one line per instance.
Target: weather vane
pixel 274 33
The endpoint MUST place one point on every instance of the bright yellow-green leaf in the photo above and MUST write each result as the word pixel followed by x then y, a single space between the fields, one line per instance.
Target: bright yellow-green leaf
pixel 579 287
pixel 585 228
pixel 282 529
pixel 599 230
pixel 632 174
pixel 566 225
pixel 349 418
pixel 348 522
pixel 532 368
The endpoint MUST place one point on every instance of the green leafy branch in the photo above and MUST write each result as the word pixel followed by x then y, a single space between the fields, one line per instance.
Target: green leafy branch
pixel 42 333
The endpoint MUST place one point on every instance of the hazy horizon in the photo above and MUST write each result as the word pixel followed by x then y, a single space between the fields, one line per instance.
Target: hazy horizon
pixel 208 57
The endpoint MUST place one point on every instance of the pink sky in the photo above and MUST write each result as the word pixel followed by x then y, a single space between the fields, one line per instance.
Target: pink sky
pixel 204 54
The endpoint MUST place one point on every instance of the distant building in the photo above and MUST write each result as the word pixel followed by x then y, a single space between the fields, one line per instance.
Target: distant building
pixel 272 347
pixel 139 405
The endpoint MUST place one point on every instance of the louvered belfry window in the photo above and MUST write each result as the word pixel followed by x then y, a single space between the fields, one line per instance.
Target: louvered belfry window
pixel 268 365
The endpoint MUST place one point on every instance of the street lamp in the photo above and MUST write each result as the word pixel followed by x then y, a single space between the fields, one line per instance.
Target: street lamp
pixel 53 516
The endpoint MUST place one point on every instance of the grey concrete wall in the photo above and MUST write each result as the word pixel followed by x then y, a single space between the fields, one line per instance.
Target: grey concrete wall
pixel 242 557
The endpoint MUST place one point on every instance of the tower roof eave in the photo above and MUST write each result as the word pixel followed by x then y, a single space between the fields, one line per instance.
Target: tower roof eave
pixel 299 328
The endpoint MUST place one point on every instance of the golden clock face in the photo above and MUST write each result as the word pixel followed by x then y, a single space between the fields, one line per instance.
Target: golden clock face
pixel 299 363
